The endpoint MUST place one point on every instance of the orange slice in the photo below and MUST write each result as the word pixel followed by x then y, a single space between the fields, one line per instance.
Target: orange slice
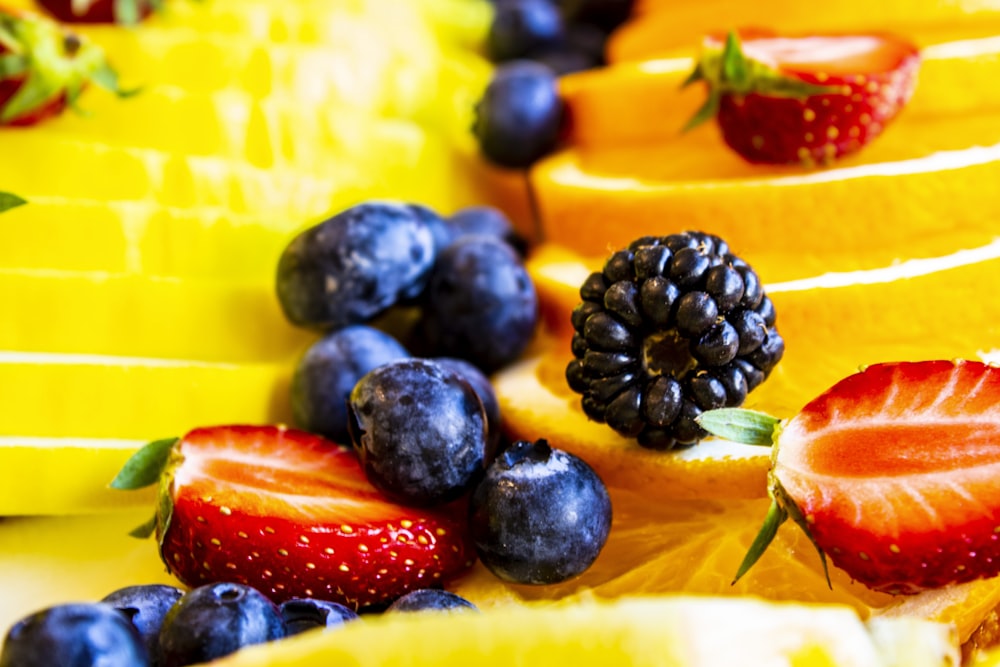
pixel 662 26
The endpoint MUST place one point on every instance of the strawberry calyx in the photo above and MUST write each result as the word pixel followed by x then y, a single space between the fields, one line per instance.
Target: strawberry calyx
pixel 123 12
pixel 50 63
pixel 146 467
pixel 9 200
pixel 727 70
pixel 750 427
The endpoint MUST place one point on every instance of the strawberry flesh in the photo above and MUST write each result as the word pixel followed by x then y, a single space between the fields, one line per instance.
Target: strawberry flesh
pixel 98 11
pixel 807 100
pixel 894 472
pixel 293 515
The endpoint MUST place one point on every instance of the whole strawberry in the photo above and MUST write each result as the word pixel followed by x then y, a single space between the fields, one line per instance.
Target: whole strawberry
pixel 290 514
pixel 807 100
pixel 124 12
pixel 891 472
pixel 45 68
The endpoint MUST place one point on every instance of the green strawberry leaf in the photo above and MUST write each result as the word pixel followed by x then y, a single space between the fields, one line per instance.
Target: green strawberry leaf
pixel 145 530
pixel 145 467
pixel 126 12
pixel 735 67
pixel 776 515
pixel 9 201
pixel 738 425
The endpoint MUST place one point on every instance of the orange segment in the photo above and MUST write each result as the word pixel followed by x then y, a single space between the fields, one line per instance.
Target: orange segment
pixel 663 26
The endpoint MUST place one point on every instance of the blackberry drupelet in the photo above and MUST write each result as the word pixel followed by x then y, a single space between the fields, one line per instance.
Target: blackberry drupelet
pixel 671 327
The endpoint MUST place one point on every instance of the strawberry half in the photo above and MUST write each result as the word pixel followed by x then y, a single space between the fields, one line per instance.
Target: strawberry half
pixel 291 514
pixel 124 12
pixel 807 100
pixel 892 473
pixel 44 68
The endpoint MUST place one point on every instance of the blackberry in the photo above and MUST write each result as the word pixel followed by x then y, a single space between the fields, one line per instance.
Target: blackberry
pixel 671 326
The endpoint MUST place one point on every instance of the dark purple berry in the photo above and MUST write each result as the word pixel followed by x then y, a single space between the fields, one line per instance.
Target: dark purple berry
pixel 480 304
pixel 520 27
pixel 487 395
pixel 671 326
pixel 328 371
pixel 216 620
pixel 146 606
pixel 540 515
pixel 420 430
pixel 354 266
pixel 431 599
pixel 519 118
pixel 605 14
pixel 74 635
pixel 485 221
pixel 302 614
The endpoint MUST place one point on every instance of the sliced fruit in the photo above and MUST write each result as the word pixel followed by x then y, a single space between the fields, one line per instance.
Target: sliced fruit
pixel 124 12
pixel 291 514
pixel 664 25
pixel 833 323
pixel 696 183
pixel 806 100
pixel 45 68
pixel 890 473
pixel 642 632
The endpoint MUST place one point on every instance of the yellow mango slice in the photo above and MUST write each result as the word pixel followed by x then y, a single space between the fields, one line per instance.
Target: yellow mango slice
pixel 100 313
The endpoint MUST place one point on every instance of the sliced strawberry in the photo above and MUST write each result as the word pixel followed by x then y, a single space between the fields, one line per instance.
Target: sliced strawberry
pixel 293 515
pixel 892 472
pixel 808 100
pixel 124 12
pixel 44 68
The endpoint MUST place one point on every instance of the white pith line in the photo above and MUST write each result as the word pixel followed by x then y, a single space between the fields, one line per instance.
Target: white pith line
pixel 61 358
pixel 911 268
pixel 63 442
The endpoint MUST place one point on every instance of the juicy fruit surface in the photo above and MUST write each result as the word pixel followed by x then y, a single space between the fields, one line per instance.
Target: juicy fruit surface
pixel 293 515
pixel 890 463
pixel 640 632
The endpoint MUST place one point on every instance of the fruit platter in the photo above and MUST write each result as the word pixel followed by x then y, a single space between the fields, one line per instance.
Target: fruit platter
pixel 636 332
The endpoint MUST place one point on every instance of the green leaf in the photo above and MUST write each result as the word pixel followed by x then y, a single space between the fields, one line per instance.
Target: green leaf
pixel 735 69
pixel 13 64
pixel 738 425
pixel 776 515
pixel 145 466
pixel 695 76
pixel 9 201
pixel 145 530
pixel 705 113
pixel 127 12
pixel 795 513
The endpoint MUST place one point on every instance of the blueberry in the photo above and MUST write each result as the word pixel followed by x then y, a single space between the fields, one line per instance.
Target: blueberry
pixel 354 265
pixel 74 635
pixel 146 606
pixel 328 371
pixel 480 304
pixel 540 515
pixel 431 599
pixel 484 390
pixel 216 620
pixel 522 26
pixel 441 230
pixel 519 118
pixel 582 48
pixel 420 431
pixel 485 221
pixel 303 614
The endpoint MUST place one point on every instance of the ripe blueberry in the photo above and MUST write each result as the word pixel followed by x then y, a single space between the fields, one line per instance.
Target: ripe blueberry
pixel 522 26
pixel 216 620
pixel 431 599
pixel 519 118
pixel 328 371
pixel 74 635
pixel 303 614
pixel 146 606
pixel 420 431
pixel 480 304
pixel 540 515
pixel 354 266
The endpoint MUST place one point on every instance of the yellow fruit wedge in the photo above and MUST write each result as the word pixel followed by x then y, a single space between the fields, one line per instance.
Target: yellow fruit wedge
pixel 640 632
pixel 832 325
pixel 138 316
pixel 641 102
pixel 665 24
pixel 93 397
